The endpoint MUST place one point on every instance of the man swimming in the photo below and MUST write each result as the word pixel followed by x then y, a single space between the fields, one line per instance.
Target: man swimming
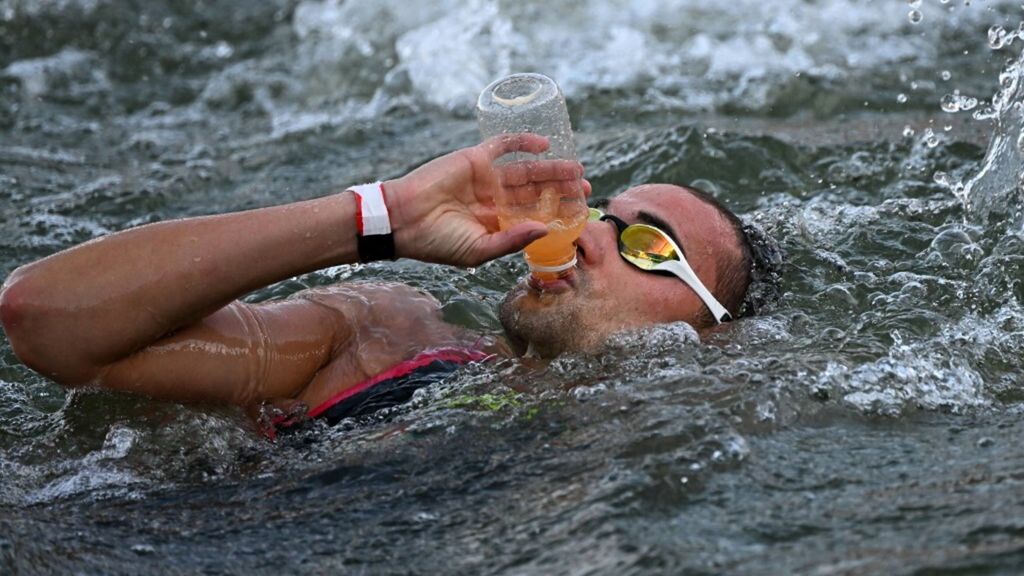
pixel 155 310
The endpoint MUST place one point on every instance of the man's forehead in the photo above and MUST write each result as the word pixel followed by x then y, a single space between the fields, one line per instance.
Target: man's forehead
pixel 674 204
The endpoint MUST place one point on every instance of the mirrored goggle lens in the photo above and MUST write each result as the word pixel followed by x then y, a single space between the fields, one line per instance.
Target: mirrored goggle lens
pixel 647 243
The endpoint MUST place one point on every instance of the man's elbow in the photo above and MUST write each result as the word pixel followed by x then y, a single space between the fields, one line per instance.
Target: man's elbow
pixel 15 316
pixel 12 303
pixel 26 323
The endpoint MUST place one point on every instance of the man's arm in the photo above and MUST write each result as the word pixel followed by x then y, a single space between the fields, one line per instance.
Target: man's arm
pixel 148 309
pixel 72 314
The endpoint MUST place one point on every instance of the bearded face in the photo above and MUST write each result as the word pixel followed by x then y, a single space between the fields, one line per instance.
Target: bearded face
pixel 605 294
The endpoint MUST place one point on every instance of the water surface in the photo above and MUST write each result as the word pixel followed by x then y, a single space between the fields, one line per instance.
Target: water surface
pixel 865 424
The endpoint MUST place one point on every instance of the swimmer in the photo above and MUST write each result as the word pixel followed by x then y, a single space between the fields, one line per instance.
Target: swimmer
pixel 156 309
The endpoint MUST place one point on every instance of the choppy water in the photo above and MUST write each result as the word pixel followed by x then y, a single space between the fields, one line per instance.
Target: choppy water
pixel 867 424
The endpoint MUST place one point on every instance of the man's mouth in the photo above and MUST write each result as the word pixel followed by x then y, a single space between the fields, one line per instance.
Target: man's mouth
pixel 558 285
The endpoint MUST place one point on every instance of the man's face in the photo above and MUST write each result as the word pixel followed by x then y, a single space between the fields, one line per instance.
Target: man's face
pixel 606 294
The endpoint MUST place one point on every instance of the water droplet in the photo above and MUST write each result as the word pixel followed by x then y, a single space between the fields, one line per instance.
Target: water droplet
pixel 950 103
pixel 908 131
pixel 902 98
pixel 223 50
pixel 946 75
pixel 996 37
pixel 984 113
pixel 914 16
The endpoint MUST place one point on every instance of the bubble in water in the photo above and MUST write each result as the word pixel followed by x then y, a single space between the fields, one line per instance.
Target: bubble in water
pixel 223 50
pixel 941 178
pixel 1006 80
pixel 930 139
pixel 957 102
pixel 908 131
pixel 902 98
pixel 996 37
pixel 946 75
pixel 985 113
pixel 914 16
pixel 947 128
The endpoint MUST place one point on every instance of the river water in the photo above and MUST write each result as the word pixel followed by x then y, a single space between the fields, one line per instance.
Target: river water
pixel 865 424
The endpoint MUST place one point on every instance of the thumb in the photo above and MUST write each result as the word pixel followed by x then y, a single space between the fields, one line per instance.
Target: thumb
pixel 512 240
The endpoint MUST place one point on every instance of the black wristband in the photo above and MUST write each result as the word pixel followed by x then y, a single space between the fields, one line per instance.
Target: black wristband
pixel 376 247
pixel 374 240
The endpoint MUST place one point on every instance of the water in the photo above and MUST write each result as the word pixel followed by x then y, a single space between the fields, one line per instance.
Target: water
pixel 867 423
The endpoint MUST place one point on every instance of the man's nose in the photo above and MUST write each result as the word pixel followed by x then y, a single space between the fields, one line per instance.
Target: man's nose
pixel 593 242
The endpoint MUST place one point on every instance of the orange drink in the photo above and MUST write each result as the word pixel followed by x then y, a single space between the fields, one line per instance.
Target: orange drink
pixel 565 218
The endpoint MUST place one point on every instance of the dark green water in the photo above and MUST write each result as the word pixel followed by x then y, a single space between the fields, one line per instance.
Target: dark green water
pixel 866 424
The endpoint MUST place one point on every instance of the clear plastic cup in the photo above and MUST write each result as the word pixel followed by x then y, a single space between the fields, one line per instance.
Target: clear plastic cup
pixel 533 103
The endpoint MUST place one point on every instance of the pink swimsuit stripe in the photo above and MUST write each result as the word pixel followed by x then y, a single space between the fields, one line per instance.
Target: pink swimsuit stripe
pixel 401 369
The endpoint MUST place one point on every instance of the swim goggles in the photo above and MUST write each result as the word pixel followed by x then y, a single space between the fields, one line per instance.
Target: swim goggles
pixel 652 250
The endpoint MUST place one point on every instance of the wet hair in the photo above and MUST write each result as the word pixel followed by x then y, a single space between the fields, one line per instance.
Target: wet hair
pixel 751 282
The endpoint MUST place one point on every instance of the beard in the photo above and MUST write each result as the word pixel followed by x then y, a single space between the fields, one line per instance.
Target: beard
pixel 547 325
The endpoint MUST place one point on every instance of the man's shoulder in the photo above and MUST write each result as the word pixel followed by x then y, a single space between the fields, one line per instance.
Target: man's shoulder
pixel 375 302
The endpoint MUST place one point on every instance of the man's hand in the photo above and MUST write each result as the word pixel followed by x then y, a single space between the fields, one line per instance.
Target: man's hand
pixel 444 211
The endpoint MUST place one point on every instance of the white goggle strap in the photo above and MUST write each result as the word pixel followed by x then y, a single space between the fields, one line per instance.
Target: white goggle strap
pixel 681 268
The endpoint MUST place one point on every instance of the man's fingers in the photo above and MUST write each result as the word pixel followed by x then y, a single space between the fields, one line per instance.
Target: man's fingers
pixel 512 240
pixel 498 146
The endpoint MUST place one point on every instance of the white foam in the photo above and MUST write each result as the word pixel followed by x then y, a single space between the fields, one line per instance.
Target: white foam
pixel 38 76
pixel 934 374
pixel 451 50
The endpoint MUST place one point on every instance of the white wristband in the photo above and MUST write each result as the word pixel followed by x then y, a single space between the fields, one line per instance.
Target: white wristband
pixel 372 217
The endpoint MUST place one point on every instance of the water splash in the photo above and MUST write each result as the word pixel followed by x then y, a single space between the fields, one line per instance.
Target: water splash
pixel 995 191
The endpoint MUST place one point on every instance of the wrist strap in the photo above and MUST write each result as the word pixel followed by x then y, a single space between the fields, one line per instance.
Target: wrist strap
pixel 373 225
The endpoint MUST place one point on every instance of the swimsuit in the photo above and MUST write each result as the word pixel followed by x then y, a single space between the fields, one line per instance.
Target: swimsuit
pixel 391 387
